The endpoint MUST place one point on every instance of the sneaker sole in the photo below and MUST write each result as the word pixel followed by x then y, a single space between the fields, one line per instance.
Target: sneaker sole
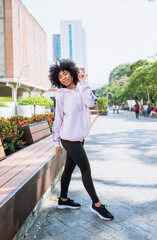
pixel 66 206
pixel 94 211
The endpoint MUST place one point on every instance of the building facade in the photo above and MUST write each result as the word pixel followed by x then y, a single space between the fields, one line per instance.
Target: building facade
pixel 23 51
pixel 56 47
pixel 2 40
pixel 73 42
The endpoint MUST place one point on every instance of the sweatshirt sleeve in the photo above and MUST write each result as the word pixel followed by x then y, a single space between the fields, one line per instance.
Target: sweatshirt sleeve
pixel 58 120
pixel 88 97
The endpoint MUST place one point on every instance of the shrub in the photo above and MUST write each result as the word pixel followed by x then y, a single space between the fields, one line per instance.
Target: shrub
pixel 23 121
pixel 10 136
pixel 102 104
pixel 6 99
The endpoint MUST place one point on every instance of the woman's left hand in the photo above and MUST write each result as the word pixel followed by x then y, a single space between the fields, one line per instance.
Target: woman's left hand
pixel 81 77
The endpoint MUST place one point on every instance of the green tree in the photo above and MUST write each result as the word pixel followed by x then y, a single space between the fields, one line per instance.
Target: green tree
pixel 136 65
pixel 102 92
pixel 118 72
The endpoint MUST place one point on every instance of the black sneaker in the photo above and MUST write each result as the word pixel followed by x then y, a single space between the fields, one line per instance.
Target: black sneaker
pixel 67 204
pixel 102 212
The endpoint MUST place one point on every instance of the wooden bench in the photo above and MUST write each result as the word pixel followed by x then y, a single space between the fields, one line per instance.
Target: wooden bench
pixel 94 111
pixel 154 115
pixel 2 153
pixel 34 132
pixel 24 178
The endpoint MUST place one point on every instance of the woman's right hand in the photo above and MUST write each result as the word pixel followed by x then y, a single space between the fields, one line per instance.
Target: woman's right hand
pixel 59 152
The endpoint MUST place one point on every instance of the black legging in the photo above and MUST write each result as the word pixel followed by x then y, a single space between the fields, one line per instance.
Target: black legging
pixel 76 155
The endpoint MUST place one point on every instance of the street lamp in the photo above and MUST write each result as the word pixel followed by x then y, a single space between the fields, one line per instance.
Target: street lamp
pixel 24 66
pixel 18 85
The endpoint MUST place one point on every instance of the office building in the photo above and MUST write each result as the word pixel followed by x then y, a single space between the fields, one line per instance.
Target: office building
pixel 56 47
pixel 71 43
pixel 23 51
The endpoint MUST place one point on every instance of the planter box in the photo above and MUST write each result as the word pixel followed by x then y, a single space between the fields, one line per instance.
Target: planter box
pixel 2 153
pixel 34 132
pixel 102 114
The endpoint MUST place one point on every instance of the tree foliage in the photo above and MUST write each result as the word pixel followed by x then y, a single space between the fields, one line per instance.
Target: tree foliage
pixel 136 81
pixel 118 72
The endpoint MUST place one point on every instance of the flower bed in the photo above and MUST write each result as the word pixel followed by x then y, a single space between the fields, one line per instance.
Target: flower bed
pixel 11 136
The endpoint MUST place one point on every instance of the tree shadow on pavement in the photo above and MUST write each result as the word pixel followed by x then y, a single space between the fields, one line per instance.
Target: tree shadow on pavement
pixel 140 144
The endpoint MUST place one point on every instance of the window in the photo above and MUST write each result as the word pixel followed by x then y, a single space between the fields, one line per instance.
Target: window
pixel 59 47
pixel 70 41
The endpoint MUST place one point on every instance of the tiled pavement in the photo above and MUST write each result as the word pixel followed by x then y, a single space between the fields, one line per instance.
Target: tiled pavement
pixel 123 157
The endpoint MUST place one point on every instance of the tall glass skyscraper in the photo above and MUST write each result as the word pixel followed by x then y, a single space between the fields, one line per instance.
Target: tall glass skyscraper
pixel 71 43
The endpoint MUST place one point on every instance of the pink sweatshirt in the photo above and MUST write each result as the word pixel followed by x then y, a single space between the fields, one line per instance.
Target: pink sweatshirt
pixel 72 119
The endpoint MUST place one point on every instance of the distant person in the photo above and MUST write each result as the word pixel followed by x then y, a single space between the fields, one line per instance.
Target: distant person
pixel 113 108
pixel 145 110
pixel 117 108
pixel 136 108
pixel 70 128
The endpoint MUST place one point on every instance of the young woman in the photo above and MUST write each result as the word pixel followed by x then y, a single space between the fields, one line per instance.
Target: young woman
pixel 72 124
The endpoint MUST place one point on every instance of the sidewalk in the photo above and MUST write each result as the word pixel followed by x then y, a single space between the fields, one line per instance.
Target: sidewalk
pixel 123 157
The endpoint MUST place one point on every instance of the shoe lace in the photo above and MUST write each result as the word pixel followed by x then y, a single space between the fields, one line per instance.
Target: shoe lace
pixel 70 200
pixel 104 207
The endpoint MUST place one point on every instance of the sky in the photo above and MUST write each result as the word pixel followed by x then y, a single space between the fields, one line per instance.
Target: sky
pixel 118 31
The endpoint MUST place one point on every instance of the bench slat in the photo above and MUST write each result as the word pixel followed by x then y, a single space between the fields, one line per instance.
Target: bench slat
pixel 20 158
pixel 28 161
pixel 38 135
pixel 22 152
pixel 23 175
pixel 40 127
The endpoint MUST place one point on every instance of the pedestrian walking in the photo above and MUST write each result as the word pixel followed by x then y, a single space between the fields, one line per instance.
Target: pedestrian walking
pixel 113 108
pixel 117 108
pixel 136 108
pixel 72 124
pixel 145 110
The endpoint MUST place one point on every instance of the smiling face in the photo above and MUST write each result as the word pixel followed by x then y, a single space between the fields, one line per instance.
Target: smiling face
pixel 66 79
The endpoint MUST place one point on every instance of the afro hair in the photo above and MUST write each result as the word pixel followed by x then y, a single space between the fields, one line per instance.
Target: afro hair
pixel 64 64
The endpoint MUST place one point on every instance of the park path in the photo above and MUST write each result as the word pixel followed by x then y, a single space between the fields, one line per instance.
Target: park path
pixel 123 156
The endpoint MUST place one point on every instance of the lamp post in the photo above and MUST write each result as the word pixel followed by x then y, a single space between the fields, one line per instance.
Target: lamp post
pixel 18 85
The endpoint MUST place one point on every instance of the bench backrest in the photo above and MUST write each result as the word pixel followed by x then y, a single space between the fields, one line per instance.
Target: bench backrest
pixel 35 132
pixel 2 153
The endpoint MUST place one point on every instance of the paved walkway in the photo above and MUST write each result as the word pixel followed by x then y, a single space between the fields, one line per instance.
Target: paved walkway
pixel 123 157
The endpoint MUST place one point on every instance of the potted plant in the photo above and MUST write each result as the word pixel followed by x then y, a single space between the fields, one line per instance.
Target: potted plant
pixel 102 106
pixel 34 101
